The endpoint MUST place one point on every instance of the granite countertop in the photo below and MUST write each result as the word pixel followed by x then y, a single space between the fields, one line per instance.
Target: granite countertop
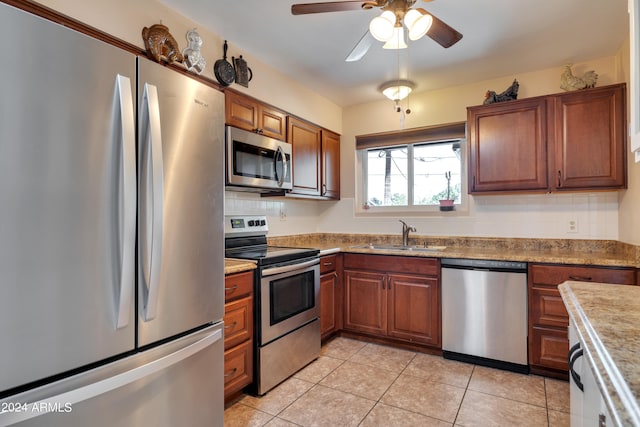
pixel 577 252
pixel 607 319
pixel 232 265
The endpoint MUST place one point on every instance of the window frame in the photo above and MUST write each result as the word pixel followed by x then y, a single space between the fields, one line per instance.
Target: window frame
pixel 433 134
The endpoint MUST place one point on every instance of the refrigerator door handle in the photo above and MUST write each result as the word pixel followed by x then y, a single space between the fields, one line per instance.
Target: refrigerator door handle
pixel 127 212
pixel 152 220
pixel 67 399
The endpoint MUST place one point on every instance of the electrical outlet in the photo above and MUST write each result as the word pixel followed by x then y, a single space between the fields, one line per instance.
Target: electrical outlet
pixel 283 214
pixel 572 226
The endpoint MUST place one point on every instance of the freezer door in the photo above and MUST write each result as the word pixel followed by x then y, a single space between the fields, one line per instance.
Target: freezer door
pixel 177 384
pixel 181 203
pixel 67 197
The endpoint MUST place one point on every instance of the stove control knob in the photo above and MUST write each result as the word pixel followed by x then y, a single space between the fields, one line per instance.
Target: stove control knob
pixel 263 222
pixel 251 223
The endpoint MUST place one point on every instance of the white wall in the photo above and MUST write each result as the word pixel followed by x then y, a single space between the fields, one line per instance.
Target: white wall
pixel 125 19
pixel 543 215
pixel 599 215
pixel 629 201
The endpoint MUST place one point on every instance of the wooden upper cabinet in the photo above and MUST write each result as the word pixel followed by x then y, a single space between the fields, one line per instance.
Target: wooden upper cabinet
pixel 567 141
pixel 330 164
pixel 305 139
pixel 508 146
pixel 250 114
pixel 590 138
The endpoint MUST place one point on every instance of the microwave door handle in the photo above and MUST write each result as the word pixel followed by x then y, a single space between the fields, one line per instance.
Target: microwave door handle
pixel 285 166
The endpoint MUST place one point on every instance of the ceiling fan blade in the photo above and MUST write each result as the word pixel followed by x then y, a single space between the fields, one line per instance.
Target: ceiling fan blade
pixel 361 48
pixel 332 6
pixel 442 33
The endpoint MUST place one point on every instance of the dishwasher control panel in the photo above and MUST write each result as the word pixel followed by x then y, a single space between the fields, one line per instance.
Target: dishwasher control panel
pixel 483 264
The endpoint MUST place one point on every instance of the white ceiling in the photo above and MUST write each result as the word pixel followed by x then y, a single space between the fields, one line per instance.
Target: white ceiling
pixel 501 38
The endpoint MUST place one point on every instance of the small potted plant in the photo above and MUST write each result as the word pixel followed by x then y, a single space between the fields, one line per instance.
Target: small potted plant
pixel 447 204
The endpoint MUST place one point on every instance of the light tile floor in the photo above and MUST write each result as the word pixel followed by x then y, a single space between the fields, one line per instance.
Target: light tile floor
pixel 354 383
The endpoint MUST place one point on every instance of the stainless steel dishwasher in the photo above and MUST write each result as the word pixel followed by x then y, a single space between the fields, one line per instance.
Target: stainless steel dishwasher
pixel 484 312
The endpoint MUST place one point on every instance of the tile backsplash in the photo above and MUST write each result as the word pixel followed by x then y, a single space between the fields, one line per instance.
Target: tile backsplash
pixel 565 216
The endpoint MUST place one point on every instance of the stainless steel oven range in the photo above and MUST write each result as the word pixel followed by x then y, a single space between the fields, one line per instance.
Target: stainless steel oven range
pixel 287 297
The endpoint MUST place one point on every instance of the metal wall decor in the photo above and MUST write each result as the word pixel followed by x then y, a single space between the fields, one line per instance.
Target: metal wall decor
pixel 223 70
pixel 160 44
pixel 243 72
pixel 508 94
pixel 193 59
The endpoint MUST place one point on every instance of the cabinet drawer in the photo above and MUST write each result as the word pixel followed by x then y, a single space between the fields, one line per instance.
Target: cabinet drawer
pixel 547 308
pixel 327 264
pixel 556 274
pixel 549 348
pixel 238 367
pixel 238 321
pixel 238 285
pixel 391 263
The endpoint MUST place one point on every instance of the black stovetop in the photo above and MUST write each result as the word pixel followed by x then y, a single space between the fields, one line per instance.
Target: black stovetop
pixel 256 249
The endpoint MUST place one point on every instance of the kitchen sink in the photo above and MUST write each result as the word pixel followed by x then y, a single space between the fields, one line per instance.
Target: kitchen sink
pixel 414 248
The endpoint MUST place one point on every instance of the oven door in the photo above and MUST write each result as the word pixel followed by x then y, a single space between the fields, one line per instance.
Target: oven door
pixel 257 161
pixel 289 298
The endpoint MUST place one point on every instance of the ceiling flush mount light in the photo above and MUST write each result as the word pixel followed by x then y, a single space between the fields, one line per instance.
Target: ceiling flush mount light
pixel 397 90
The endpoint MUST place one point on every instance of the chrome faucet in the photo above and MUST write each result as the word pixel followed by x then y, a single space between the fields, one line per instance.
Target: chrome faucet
pixel 406 229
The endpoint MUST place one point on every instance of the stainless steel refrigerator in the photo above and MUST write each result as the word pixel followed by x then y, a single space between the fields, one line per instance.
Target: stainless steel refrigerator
pixel 111 239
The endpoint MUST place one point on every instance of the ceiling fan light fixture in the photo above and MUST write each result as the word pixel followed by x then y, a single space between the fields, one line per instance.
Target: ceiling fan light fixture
pixel 381 27
pixel 397 40
pixel 397 90
pixel 418 22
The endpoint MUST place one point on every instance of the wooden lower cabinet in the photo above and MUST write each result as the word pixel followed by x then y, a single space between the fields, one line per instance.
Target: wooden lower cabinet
pixel 413 308
pixel 330 295
pixel 388 303
pixel 238 368
pixel 548 317
pixel 238 333
pixel 365 302
pixel 328 284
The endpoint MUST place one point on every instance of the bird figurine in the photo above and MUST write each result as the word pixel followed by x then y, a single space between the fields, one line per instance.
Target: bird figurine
pixel 508 94
pixel 570 82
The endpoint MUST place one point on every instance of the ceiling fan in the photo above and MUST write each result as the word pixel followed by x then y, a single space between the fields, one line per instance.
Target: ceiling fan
pixel 388 26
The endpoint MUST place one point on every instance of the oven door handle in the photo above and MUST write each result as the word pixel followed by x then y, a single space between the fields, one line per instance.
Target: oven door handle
pixel 288 268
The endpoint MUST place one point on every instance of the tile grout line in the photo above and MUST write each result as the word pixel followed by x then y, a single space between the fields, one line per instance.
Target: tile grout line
pixel 463 395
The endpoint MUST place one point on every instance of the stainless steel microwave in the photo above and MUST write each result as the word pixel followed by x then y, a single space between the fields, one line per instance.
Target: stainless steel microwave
pixel 256 162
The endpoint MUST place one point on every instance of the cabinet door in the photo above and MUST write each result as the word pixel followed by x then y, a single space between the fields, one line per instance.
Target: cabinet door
pixel 328 286
pixel 365 302
pixel 272 122
pixel 238 368
pixel 414 308
pixel 238 321
pixel 508 146
pixel 548 347
pixel 590 139
pixel 330 165
pixel 241 111
pixel 305 140
pixel 249 114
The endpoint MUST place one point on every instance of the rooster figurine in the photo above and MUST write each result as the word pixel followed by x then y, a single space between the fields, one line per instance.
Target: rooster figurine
pixel 570 82
pixel 508 94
